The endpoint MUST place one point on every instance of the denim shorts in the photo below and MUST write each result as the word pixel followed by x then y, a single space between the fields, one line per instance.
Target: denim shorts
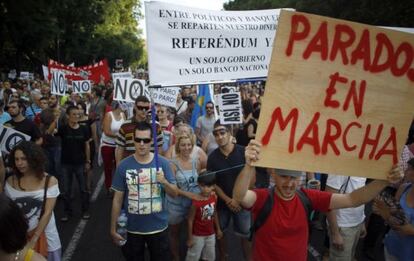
pixel 241 221
pixel 177 209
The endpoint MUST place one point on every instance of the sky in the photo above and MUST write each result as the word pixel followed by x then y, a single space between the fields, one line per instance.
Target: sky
pixel 203 4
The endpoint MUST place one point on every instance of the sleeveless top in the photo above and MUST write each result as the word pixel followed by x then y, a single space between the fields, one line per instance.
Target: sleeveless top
pixel 187 181
pixel 402 247
pixel 115 126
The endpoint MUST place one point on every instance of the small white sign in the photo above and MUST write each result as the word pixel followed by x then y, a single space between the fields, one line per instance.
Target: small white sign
pixel 58 83
pixel 121 75
pixel 9 138
pixel 24 75
pixel 12 74
pixel 81 86
pixel 128 89
pixel 165 96
pixel 230 108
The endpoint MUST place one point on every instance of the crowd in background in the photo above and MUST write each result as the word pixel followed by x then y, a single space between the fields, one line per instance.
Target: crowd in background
pixel 73 135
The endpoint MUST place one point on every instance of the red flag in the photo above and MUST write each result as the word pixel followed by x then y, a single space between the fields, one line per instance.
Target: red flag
pixel 92 72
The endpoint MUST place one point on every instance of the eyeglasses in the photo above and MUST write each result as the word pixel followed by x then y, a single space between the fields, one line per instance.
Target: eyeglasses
pixel 209 108
pixel 145 140
pixel 142 108
pixel 220 131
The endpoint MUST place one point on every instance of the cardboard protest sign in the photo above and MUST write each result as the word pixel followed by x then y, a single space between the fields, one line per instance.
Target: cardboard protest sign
pixel 339 97
pixel 58 83
pixel 230 108
pixel 190 45
pixel 165 96
pixel 81 86
pixel 9 138
pixel 128 89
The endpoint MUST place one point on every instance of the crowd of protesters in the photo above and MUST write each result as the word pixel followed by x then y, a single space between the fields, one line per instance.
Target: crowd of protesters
pixel 202 180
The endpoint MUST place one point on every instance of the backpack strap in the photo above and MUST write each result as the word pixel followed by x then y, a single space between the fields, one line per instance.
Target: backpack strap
pixel 264 212
pixel 307 204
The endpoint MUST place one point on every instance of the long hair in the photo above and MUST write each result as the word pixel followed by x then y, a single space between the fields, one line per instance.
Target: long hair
pixel 35 157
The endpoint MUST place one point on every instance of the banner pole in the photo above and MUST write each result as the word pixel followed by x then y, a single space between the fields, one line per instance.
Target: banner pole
pixel 154 134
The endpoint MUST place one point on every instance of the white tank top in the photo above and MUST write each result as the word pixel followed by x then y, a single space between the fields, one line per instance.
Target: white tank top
pixel 115 126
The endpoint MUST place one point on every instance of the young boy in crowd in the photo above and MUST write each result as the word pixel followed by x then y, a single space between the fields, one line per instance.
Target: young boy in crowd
pixel 202 219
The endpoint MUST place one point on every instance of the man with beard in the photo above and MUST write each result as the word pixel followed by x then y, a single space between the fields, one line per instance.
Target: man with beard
pixel 228 158
pixel 125 137
pixel 21 123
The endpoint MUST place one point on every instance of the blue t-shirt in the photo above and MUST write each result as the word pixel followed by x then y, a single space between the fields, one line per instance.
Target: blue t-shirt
pixel 400 246
pixel 32 110
pixel 4 117
pixel 144 197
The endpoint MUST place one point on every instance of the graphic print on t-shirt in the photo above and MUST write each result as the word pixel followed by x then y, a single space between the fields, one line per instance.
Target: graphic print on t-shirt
pixel 144 192
pixel 207 211
pixel 31 207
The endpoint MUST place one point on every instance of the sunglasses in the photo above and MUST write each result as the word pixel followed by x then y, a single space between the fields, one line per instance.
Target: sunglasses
pixel 209 108
pixel 221 132
pixel 145 140
pixel 142 108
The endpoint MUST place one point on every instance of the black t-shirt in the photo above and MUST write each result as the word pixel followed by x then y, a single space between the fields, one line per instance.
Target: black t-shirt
pixel 25 126
pixel 88 124
pixel 226 179
pixel 73 144
pixel 242 135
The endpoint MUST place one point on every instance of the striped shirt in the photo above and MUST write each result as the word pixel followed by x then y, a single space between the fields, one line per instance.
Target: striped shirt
pixel 125 137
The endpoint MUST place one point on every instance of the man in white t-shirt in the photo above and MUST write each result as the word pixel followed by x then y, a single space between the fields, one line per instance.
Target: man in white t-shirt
pixel 346 225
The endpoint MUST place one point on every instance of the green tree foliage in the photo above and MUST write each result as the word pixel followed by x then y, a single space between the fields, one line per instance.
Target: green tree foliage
pixel 80 31
pixel 384 13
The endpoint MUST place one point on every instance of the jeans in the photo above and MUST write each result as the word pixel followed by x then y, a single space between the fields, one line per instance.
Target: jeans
pixel 241 221
pixel 68 171
pixel 53 161
pixel 158 247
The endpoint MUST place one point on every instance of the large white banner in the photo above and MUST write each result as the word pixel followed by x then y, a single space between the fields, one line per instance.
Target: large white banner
pixel 190 45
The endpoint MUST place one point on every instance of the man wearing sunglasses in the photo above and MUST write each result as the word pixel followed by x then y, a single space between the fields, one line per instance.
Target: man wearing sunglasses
pixel 138 182
pixel 229 156
pixel 125 137
pixel 205 123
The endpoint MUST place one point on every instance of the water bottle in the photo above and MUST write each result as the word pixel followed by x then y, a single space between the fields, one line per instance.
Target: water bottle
pixel 122 227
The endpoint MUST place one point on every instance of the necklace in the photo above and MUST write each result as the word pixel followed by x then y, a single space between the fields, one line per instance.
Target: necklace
pixel 16 257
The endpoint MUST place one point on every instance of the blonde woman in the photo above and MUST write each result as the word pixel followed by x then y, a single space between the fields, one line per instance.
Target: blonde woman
pixel 185 169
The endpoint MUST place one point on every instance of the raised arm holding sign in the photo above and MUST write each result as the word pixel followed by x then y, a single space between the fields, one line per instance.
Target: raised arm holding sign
pixel 338 97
